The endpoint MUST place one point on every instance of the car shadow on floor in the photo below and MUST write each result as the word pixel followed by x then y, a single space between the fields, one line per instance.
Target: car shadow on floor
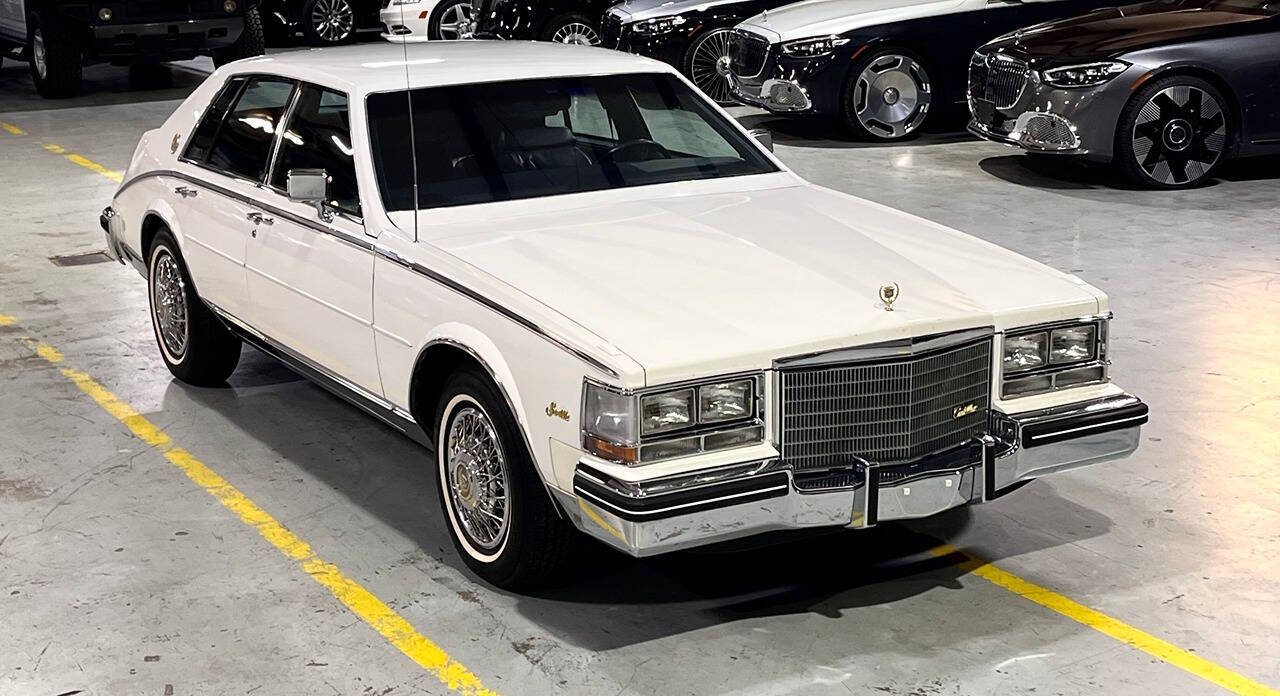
pixel 610 600
pixel 828 133
pixel 104 85
pixel 1068 173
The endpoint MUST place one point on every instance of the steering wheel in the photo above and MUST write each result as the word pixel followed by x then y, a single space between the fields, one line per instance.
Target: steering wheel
pixel 636 150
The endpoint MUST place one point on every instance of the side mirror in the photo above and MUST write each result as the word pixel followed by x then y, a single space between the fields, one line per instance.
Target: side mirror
pixel 310 186
pixel 762 136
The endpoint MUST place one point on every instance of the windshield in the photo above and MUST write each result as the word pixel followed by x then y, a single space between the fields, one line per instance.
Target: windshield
pixel 522 139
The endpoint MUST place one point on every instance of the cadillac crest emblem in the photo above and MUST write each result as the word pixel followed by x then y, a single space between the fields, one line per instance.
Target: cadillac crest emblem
pixel 888 295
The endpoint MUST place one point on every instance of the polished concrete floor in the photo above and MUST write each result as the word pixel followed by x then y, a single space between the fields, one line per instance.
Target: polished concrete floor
pixel 118 575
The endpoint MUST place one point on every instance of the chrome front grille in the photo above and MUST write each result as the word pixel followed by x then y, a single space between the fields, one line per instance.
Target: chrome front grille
pixel 747 54
pixel 997 79
pixel 885 411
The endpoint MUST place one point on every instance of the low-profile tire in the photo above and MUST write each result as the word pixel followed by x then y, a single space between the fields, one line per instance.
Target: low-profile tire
pixel 57 66
pixel 496 508
pixel 1174 133
pixel 328 22
pixel 252 41
pixel 887 95
pixel 195 345
pixel 706 64
pixel 572 28
pixel 447 20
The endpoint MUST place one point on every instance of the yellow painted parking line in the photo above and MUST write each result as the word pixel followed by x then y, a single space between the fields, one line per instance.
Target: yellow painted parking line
pixel 363 603
pixel 70 156
pixel 1107 625
pixel 11 129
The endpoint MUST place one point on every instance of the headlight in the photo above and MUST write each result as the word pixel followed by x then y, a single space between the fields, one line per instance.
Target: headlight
pixel 658 25
pixel 1086 75
pixel 1036 360
pixel 105 14
pixel 812 48
pixel 663 423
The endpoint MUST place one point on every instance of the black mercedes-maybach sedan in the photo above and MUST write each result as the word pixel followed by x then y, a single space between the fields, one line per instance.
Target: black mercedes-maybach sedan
pixel 885 67
pixel 690 35
pixel 1166 90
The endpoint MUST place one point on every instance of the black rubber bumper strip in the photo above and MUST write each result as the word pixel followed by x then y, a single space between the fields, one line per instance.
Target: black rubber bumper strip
pixel 1062 429
pixel 700 499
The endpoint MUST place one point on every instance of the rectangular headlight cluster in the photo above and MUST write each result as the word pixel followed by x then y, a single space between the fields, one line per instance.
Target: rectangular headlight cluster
pixel 657 424
pixel 1046 358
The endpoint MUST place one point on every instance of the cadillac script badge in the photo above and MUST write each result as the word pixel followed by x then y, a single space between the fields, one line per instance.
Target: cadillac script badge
pixel 889 295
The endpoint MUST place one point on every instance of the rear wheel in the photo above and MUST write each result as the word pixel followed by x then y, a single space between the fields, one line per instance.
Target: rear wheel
pixel 1173 134
pixel 495 506
pixel 56 63
pixel 887 95
pixel 195 345
pixel 252 41
pixel 572 28
pixel 707 64
pixel 328 22
pixel 450 19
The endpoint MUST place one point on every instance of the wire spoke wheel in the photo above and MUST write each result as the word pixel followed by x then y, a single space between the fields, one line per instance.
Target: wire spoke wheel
pixel 1179 135
pixel 453 20
pixel 476 476
pixel 709 65
pixel 892 95
pixel 333 20
pixel 169 305
pixel 577 33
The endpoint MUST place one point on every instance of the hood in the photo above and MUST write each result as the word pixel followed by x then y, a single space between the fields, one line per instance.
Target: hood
pixel 636 10
pixel 711 283
pixel 1113 32
pixel 825 17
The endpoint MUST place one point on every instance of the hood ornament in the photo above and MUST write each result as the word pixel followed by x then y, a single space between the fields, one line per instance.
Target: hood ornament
pixel 888 295
pixel 764 17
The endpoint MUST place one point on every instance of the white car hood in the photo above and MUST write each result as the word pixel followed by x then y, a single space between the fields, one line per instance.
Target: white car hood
pixel 826 17
pixel 712 283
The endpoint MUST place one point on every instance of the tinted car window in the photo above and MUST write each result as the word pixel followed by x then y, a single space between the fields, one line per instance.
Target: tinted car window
pixel 318 136
pixel 243 144
pixel 207 130
pixel 521 139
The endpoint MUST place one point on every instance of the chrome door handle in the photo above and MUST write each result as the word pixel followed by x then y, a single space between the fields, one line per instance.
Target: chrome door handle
pixel 186 192
pixel 260 219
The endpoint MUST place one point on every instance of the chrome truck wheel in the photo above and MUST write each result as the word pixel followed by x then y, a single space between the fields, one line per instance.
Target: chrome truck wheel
pixel 888 97
pixel 1179 135
pixel 708 64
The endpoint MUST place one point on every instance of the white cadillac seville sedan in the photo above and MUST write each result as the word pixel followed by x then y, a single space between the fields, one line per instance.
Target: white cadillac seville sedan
pixel 601 302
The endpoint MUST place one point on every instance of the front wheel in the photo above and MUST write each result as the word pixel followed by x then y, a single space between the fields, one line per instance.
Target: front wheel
pixel 886 95
pixel 495 506
pixel 1173 133
pixel 451 17
pixel 56 64
pixel 252 41
pixel 572 28
pixel 195 345
pixel 328 22
pixel 707 64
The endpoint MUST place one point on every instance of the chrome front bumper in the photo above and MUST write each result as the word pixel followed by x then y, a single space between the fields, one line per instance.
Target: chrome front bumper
pixel 664 515
pixel 112 227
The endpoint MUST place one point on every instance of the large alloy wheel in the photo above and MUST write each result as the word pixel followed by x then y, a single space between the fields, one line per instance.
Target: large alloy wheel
pixel 887 96
pixel 572 28
pixel 496 508
pixel 708 64
pixel 329 22
pixel 451 20
pixel 1174 133
pixel 195 345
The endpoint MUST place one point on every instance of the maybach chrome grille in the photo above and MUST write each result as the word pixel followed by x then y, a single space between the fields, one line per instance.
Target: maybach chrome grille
pixel 997 79
pixel 887 411
pixel 747 54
